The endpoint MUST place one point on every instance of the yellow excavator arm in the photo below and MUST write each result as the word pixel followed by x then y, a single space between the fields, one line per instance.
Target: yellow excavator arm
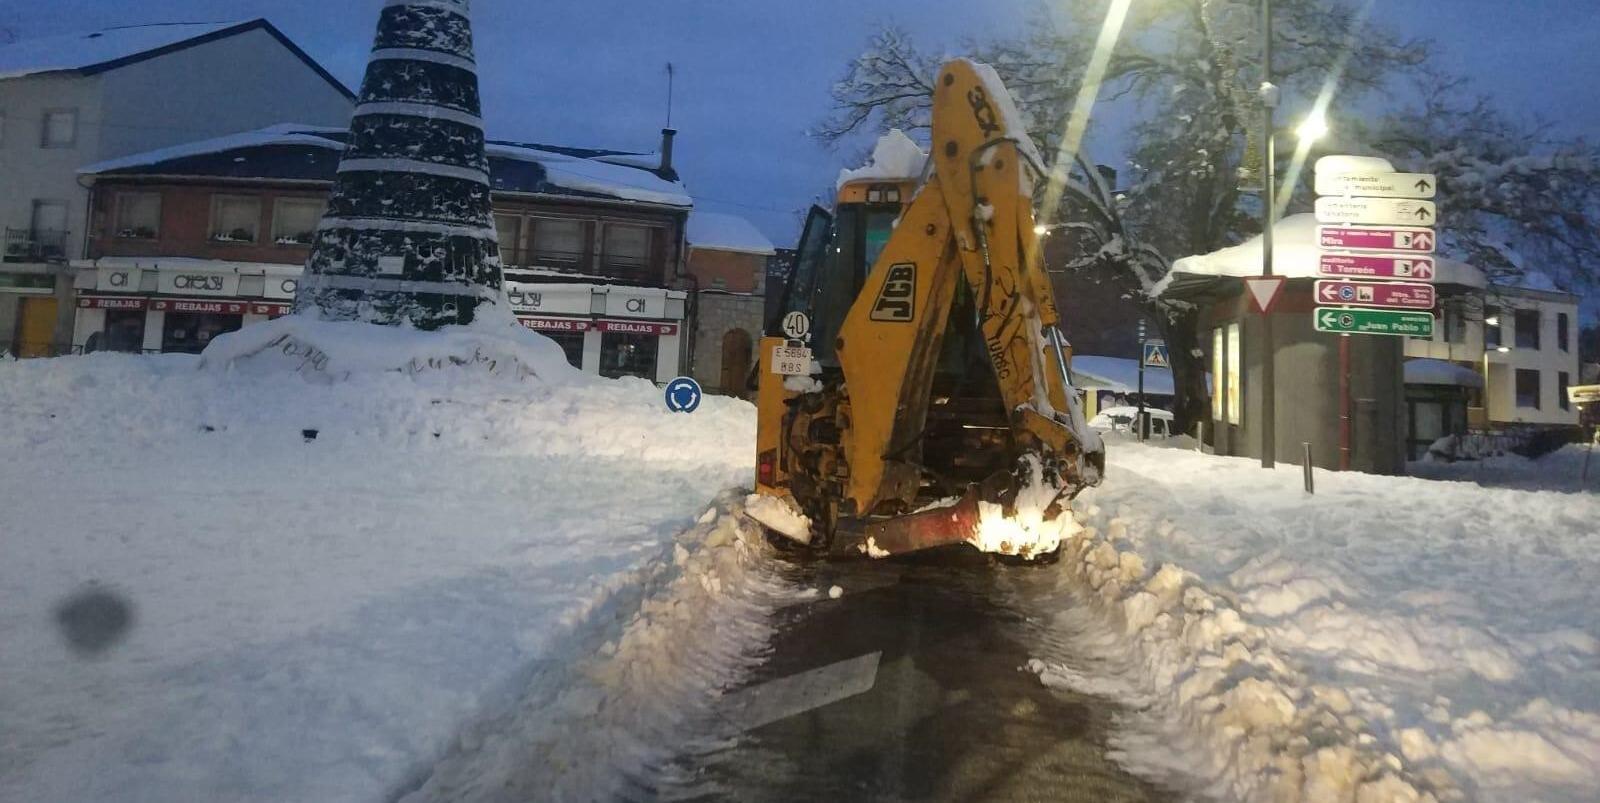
pixel 858 446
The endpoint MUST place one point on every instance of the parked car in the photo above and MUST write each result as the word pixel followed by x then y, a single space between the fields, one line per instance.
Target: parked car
pixel 1120 419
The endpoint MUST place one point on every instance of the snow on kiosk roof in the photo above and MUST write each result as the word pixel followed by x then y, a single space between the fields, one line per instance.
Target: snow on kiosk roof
pixel 727 233
pixel 101 51
pixel 1295 255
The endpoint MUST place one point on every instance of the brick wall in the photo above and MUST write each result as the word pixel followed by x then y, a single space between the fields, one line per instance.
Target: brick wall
pixel 737 271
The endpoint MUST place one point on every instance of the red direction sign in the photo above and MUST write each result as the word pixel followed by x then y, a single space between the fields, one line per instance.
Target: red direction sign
pixel 1377 266
pixel 1368 238
pixel 1264 290
pixel 1392 295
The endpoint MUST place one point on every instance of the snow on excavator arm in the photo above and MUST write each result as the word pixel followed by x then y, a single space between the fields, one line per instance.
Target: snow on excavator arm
pixel 972 221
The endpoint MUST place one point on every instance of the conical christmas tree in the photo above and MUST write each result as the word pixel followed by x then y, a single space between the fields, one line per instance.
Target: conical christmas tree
pixel 409 233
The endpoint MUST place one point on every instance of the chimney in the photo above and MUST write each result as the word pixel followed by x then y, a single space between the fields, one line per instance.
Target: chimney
pixel 666 171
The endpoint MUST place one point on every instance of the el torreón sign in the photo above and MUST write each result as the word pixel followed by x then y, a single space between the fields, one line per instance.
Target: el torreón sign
pixel 1374 322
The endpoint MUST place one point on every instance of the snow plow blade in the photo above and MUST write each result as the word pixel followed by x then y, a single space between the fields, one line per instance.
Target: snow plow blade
pixel 943 526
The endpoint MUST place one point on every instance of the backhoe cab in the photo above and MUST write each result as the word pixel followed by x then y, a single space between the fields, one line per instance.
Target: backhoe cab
pixel 914 385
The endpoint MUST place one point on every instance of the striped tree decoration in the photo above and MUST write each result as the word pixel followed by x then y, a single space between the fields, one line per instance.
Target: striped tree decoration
pixel 409 233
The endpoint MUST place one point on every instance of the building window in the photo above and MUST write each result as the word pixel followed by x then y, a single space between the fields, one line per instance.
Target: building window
pixel 138 215
pixel 557 242
pixel 1235 375
pixel 571 343
pixel 124 332
pixel 1218 355
pixel 719 283
pixel 1491 327
pixel 1562 382
pixel 508 230
pixel 1527 323
pixel 60 129
pixel 1528 388
pixel 1455 323
pixel 295 220
pixel 235 219
pixel 191 332
pixel 1562 335
pixel 628 355
pixel 627 248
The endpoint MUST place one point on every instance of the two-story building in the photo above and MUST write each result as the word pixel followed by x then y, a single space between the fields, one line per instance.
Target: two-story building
pixel 728 261
pixel 194 240
pixel 69 101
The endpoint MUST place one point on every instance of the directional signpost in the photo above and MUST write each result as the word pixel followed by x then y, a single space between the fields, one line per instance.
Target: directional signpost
pixel 1390 295
pixel 1378 228
pixel 1367 238
pixel 1375 322
pixel 1377 266
pixel 1376 211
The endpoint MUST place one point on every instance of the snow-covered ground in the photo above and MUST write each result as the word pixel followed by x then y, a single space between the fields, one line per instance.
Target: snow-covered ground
pixel 1561 470
pixel 1385 639
pixel 322 619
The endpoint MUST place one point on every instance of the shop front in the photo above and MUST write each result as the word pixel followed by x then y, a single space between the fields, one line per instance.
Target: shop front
pixel 607 330
pixel 177 306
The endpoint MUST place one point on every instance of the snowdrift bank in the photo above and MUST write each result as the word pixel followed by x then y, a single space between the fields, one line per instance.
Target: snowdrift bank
pixel 607 727
pixel 316 618
pixel 1387 639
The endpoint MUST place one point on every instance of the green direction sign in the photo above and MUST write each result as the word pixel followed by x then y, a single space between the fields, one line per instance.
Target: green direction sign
pixel 1374 322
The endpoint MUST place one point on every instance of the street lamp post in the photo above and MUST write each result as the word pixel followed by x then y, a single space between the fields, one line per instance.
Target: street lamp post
pixel 1269 105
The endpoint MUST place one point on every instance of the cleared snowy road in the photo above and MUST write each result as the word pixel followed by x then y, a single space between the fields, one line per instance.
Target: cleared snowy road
pixel 911 685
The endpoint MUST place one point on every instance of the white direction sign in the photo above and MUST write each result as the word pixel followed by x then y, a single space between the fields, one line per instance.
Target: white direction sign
pixel 1376 211
pixel 1378 185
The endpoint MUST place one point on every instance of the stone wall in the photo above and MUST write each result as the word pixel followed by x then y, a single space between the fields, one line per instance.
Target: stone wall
pixel 719 314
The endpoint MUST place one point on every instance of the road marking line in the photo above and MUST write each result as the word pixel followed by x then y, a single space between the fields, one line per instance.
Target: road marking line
pixel 776 700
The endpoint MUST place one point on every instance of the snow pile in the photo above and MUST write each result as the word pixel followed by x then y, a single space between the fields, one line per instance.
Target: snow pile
pixel 780 515
pixel 596 176
pixel 1040 520
pixel 726 233
pixel 281 134
pixel 1343 164
pixel 322 580
pixel 1386 639
pixel 895 156
pixel 1488 461
pixel 610 724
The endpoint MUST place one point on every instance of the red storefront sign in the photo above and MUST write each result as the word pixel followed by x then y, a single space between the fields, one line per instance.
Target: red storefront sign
pixel 638 328
pixel 556 324
pixel 109 302
pixel 204 307
pixel 274 310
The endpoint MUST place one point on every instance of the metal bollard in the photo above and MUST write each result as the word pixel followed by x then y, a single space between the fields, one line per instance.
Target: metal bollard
pixel 1305 464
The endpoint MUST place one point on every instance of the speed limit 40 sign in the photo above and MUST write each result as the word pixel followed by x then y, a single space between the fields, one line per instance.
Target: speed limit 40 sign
pixel 796 325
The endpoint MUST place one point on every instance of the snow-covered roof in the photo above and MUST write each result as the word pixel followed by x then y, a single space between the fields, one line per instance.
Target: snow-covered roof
pixel 282 134
pixel 895 156
pixel 727 233
pixel 513 167
pixel 83 51
pixel 590 175
pixel 1118 374
pixel 1295 254
pixel 1440 372
pixel 98 51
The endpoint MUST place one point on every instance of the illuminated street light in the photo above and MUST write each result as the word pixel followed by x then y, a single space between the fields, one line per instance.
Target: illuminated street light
pixel 1503 349
pixel 1492 320
pixel 1314 128
pixel 1041 229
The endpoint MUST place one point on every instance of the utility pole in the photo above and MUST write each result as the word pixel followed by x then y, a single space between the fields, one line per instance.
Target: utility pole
pixel 1269 105
pixel 1140 420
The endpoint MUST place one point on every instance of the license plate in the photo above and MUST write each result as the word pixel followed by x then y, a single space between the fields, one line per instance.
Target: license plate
pixel 791 361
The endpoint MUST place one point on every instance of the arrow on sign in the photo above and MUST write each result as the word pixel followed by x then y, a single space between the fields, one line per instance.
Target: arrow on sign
pixel 1422 185
pixel 1329 318
pixel 1423 213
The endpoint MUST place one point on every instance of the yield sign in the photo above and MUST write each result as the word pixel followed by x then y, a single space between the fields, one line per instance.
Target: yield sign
pixel 1264 291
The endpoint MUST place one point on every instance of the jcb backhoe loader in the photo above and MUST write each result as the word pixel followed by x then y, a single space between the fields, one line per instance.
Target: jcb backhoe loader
pixel 914 379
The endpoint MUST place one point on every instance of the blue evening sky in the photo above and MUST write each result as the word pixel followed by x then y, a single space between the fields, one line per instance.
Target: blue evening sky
pixel 753 75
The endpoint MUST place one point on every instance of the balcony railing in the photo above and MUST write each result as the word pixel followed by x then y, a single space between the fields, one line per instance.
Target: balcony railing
pixel 35 245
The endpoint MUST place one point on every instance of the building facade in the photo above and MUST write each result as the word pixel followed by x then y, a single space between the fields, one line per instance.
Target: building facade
pixel 728 260
pixel 200 239
pixel 69 101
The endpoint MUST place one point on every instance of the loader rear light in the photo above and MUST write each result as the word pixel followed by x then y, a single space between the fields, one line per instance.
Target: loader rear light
pixel 767 468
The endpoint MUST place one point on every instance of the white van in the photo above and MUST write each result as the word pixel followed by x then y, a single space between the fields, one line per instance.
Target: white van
pixel 1120 419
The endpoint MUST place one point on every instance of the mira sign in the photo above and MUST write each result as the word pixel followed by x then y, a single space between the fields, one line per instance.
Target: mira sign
pixel 1362 238
pixel 1374 322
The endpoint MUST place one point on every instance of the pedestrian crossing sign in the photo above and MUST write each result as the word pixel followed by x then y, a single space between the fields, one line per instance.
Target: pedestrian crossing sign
pixel 1155 356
